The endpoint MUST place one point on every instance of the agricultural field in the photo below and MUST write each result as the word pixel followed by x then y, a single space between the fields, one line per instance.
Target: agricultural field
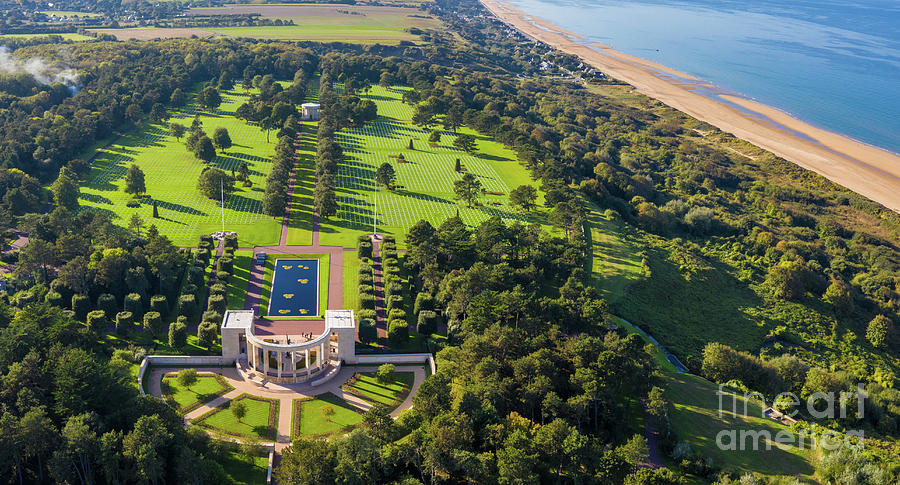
pixel 171 173
pixel 424 183
pixel 149 33
pixel 65 36
pixel 70 14
pixel 369 16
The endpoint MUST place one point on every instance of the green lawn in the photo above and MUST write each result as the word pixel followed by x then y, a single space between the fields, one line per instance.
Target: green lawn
pixel 367 387
pixel 324 265
pixel 351 289
pixel 205 389
pixel 243 470
pixel 65 36
pixel 313 421
pixel 613 255
pixel 255 425
pixel 427 180
pixel 171 174
pixel 67 13
pixel 299 230
pixel 240 279
pixel 694 417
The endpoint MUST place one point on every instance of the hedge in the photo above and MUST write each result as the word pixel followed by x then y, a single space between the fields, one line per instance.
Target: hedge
pixel 367 301
pixel 366 290
pixel 217 289
pixel 396 313
pixel 394 301
pixel 54 298
pixel 368 333
pixel 364 249
pixel 187 306
pixel 223 276
pixel 393 288
pixel 424 301
pixel 365 279
pixel 231 241
pixel 191 289
pixel 427 323
pixel 159 304
pixel 217 304
pixel 211 316
pixel 153 323
pixel 177 335
pixel 225 264
pixel 364 268
pixel 389 239
pixel 398 332
pixel 96 321
pixel 107 304
pixel 81 305
pixel 133 304
pixel 196 275
pixel 207 332
pixel 124 322
pixel 366 314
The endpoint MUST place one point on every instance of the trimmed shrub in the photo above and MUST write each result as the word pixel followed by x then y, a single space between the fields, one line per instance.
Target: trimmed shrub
pixel 366 314
pixel 367 301
pixel 153 323
pixel 218 289
pixel 395 301
pixel 231 241
pixel 391 278
pixel 58 286
pixel 365 279
pixel 23 298
pixel 364 249
pixel 398 333
pixel 177 334
pixel 191 289
pixel 124 322
pixel 362 238
pixel 211 316
pixel 96 321
pixel 207 333
pixel 196 275
pixel 389 261
pixel 217 304
pixel 225 264
pixel 368 333
pixel 424 301
pixel 389 239
pixel 107 303
pixel 133 304
pixel 81 305
pixel 396 313
pixel 203 256
pixel 427 322
pixel 208 245
pixel 182 319
pixel 392 271
pixel 389 254
pixel 223 276
pixel 159 304
pixel 206 238
pixel 187 306
pixel 389 246
pixel 366 290
pixel 392 289
pixel 365 268
pixel 54 298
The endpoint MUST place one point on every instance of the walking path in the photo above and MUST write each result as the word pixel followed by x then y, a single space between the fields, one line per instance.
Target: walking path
pixel 285 394
pixel 652 435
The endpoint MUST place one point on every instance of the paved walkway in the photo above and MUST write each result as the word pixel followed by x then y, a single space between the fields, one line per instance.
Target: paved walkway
pixel 652 435
pixel 286 393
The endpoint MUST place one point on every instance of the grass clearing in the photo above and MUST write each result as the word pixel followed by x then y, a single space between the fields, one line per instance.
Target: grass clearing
pixel 70 14
pixel 171 173
pixel 424 184
pixel 260 422
pixel 65 36
pixel 351 289
pixel 366 386
pixel 246 470
pixel 694 418
pixel 208 387
pixel 239 280
pixel 613 254
pixel 312 419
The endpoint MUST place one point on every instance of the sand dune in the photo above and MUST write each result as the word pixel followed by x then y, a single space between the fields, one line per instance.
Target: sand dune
pixel 864 169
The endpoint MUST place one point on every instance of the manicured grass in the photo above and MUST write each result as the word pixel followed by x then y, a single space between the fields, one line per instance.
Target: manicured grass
pixel 299 230
pixel 427 180
pixel 367 387
pixel 243 470
pixel 204 390
pixel 322 33
pixel 324 262
pixel 171 174
pixel 261 413
pixel 351 289
pixel 314 422
pixel 239 280
pixel 694 418
pixel 613 254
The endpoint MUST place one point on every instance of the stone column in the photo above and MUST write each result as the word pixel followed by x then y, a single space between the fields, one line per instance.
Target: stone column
pixel 266 361
pixel 294 365
pixel 307 364
pixel 323 354
pixel 251 355
pixel 280 362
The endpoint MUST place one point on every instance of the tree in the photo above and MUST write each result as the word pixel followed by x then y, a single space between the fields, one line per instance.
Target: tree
pixel 465 142
pixel 187 377
pixel 453 118
pixel 635 450
pixel 838 296
pixel 326 202
pixel 177 335
pixel 135 224
pixel 146 446
pixel 212 181
pixel 155 210
pixel 273 202
pixel 385 373
pixel 65 190
pixel 411 147
pixel 209 98
pixel 37 255
pixel 134 181
pixel 178 98
pixel 158 113
pixel 206 334
pixel 468 188
pixel 221 139
pixel 238 409
pixel 204 150
pixel 243 171
pixel 435 137
pixel 458 166
pixel 523 196
pixel 177 130
pixel 783 280
pixel 879 330
pixel 566 216
pixel 385 175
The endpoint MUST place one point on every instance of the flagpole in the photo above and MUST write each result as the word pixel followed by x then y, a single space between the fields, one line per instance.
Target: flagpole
pixel 222 188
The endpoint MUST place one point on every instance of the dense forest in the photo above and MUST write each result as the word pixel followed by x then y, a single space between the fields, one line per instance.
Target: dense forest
pixel 534 382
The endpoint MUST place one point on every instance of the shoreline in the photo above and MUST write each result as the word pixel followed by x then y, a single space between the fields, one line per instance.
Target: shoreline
pixel 865 169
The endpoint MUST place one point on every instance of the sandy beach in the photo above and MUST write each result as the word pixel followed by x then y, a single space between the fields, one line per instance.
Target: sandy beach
pixel 862 168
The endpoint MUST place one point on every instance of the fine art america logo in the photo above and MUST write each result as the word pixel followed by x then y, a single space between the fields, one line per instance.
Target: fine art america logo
pixel 819 405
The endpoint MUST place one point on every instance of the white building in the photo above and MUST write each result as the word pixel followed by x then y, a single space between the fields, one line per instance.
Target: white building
pixel 310 111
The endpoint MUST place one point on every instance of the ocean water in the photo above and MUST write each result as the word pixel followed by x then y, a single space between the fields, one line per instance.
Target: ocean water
pixel 832 63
